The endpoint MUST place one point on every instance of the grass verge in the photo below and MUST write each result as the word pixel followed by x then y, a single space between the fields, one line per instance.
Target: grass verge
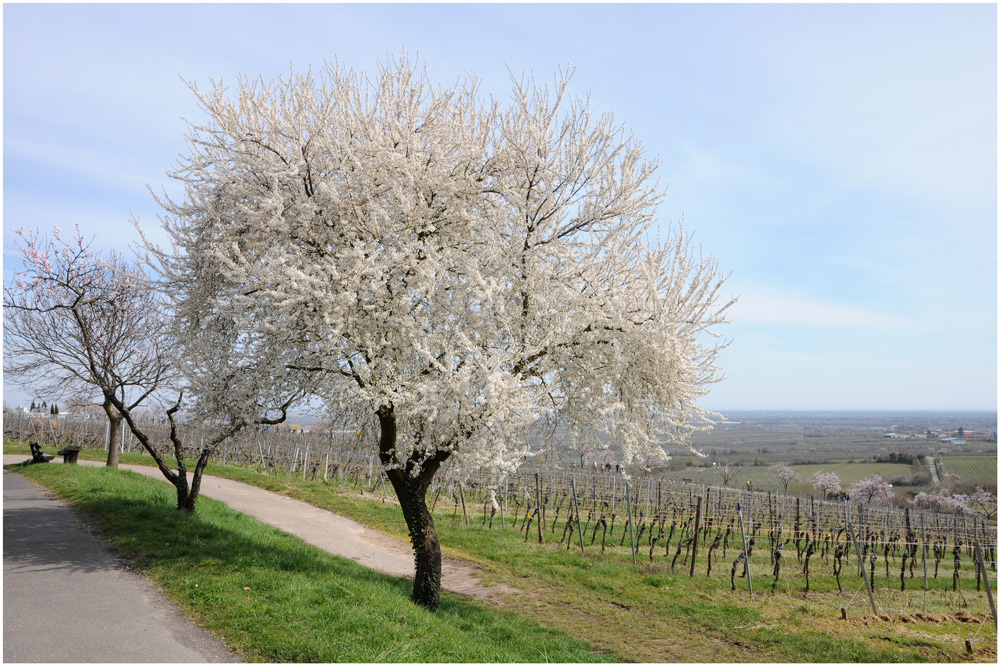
pixel 274 598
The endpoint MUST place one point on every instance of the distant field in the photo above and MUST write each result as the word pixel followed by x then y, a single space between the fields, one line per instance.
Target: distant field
pixel 971 467
pixel 847 472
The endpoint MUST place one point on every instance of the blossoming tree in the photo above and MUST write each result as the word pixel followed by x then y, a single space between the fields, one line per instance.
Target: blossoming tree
pixel 981 502
pixel 78 323
pixel 457 268
pixel 826 483
pixel 785 475
pixel 873 490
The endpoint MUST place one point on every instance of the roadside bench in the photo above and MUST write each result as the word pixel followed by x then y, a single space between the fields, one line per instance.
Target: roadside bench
pixel 36 453
pixel 69 454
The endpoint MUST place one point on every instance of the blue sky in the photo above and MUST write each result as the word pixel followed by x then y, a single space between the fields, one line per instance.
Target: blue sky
pixel 840 160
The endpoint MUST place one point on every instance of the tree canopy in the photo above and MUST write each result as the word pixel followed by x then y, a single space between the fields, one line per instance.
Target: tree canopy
pixel 458 268
pixel 80 323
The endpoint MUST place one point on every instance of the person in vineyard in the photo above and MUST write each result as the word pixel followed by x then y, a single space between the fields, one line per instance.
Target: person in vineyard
pixel 460 270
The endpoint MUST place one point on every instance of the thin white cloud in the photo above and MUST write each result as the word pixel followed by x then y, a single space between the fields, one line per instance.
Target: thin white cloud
pixel 86 162
pixel 768 306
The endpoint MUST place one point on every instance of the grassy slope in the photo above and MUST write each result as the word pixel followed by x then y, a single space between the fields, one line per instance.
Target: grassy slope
pixel 651 613
pixel 276 599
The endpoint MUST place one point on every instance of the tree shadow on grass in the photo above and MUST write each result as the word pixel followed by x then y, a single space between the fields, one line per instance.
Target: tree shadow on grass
pixel 276 592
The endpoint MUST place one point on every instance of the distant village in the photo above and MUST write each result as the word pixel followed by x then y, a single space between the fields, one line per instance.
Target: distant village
pixel 956 437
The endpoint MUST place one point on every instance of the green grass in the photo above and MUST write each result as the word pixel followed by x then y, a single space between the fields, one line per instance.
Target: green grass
pixel 653 613
pixel 974 468
pixel 274 598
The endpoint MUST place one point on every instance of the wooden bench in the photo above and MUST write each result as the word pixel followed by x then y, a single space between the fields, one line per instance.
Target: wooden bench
pixel 69 454
pixel 37 456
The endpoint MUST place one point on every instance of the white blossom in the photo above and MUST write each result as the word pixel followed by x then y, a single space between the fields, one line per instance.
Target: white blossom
pixel 827 483
pixel 873 490
pixel 472 268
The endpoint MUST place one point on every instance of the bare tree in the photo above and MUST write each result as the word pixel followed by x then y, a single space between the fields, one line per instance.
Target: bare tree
pixel 77 323
pixel 459 269
pixel 727 471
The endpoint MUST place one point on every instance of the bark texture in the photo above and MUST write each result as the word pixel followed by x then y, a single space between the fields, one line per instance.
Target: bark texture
pixel 115 433
pixel 411 489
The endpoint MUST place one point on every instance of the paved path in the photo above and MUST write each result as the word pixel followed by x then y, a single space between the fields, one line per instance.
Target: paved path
pixel 327 531
pixel 67 598
pixel 933 468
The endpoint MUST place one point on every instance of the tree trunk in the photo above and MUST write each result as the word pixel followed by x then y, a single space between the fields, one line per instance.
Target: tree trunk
pixel 412 493
pixel 187 494
pixel 187 500
pixel 115 433
pixel 423 534
pixel 184 501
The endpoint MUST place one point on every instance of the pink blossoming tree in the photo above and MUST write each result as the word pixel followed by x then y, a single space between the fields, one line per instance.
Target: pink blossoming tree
pixel 81 324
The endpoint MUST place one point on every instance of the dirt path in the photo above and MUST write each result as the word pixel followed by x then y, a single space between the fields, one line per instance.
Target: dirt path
pixel 327 531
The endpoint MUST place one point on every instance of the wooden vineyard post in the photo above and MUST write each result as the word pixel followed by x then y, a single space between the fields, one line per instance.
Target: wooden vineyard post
pixel 631 536
pixel 260 449
pixel 864 572
pixel 746 554
pixel 648 487
pixel 923 537
pixel 503 502
pixel 986 580
pixel 576 505
pixel 461 494
pixel 694 547
pixel 861 523
pixel 538 503
pixel 614 490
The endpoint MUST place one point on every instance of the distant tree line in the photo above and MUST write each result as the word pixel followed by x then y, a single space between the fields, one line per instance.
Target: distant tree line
pixel 899 458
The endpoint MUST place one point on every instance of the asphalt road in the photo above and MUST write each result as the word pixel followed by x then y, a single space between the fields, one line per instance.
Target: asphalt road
pixel 68 598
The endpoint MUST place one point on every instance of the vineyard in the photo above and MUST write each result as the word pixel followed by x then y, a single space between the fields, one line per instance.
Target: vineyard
pixel 973 468
pixel 762 480
pixel 756 542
